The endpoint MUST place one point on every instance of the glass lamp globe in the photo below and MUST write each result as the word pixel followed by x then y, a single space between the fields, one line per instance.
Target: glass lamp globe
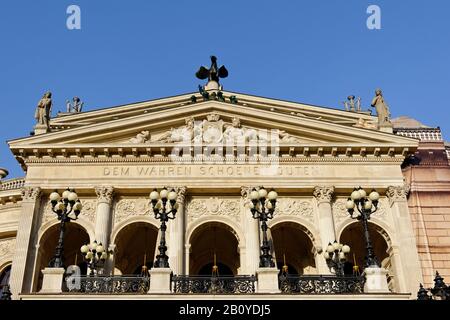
pixel 330 248
pixel 362 193
pixel 374 196
pixel 341 255
pixel 272 195
pixel 104 255
pixel 254 194
pixel 262 193
pixel 368 204
pixel 84 249
pixel 350 204
pixel 269 205
pixel 345 249
pixel 100 248
pixel 59 206
pixel 326 255
pixel 163 193
pixel 154 195
pixel 54 196
pixel 172 195
pixel 72 196
pixel 336 245
pixel 355 195
pixel 77 206
pixel 65 194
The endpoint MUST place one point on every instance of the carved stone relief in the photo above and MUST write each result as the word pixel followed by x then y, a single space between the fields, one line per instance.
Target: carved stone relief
pixel 213 207
pixel 295 207
pixel 7 247
pixel 126 208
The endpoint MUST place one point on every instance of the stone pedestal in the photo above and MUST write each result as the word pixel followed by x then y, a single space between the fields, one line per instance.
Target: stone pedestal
pixel 376 281
pixel 160 280
pixel 386 128
pixel 267 280
pixel 53 280
pixel 40 129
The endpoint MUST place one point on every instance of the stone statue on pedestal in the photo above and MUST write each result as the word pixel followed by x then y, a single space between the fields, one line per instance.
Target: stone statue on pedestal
pixel 77 105
pixel 382 108
pixel 43 110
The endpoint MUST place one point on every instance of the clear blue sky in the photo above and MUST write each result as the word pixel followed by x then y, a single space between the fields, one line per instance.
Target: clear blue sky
pixel 314 52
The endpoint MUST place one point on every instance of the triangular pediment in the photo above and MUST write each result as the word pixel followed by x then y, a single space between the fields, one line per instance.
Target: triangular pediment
pixel 140 127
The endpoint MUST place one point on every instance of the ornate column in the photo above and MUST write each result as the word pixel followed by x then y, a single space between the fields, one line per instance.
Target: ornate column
pixel 22 266
pixel 176 233
pixel 324 195
pixel 105 196
pixel 411 272
pixel 252 244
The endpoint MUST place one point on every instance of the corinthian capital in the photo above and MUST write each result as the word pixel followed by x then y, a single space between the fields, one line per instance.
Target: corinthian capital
pixel 245 191
pixel 104 194
pixel 397 193
pixel 31 193
pixel 323 193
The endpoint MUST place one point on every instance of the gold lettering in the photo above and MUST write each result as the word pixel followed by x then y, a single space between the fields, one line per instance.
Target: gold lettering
pixel 106 172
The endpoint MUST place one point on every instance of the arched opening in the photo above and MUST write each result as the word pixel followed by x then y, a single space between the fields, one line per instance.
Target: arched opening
pixel 74 238
pixel 135 243
pixel 293 247
pixel 353 236
pixel 214 241
pixel 4 278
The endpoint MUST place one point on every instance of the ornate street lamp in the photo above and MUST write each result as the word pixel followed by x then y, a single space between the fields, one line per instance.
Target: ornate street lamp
pixel 335 256
pixel 364 206
pixel 165 207
pixel 94 254
pixel 263 208
pixel 63 206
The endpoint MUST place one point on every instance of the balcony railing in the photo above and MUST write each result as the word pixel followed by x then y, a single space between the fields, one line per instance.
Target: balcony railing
pixel 214 284
pixel 12 184
pixel 321 284
pixel 107 284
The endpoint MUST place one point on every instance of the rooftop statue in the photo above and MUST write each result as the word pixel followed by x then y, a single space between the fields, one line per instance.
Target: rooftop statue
pixel 77 105
pixel 382 108
pixel 44 110
pixel 213 73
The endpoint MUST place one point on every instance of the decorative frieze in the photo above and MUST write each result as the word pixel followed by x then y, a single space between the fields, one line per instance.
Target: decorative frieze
pixel 323 193
pixel 31 193
pixel 7 247
pixel 126 208
pixel 302 208
pixel 213 207
pixel 104 194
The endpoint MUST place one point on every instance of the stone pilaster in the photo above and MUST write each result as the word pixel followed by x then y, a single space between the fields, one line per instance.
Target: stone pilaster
pixel 105 196
pixel 252 238
pixel 22 266
pixel 407 247
pixel 324 195
pixel 176 233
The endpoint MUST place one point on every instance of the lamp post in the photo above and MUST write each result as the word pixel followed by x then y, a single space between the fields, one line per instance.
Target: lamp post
pixel 94 254
pixel 364 206
pixel 335 256
pixel 63 206
pixel 262 208
pixel 165 208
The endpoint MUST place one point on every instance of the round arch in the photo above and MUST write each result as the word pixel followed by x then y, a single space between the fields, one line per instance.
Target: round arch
pixel 135 245
pixel 87 227
pixel 307 227
pixel 381 227
pixel 233 227
pixel 214 242
pixel 75 236
pixel 352 235
pixel 136 219
pixel 293 245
